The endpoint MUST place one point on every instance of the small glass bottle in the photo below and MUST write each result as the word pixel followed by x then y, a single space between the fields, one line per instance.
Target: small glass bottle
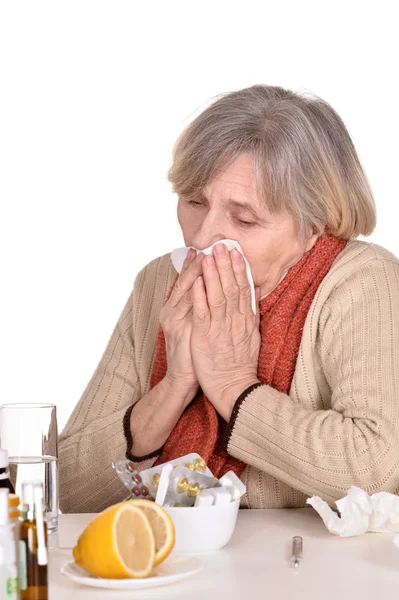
pixel 14 516
pixel 33 578
pixel 8 563
pixel 4 472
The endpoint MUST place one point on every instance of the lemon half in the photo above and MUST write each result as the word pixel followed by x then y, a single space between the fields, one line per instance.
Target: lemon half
pixel 162 527
pixel 118 544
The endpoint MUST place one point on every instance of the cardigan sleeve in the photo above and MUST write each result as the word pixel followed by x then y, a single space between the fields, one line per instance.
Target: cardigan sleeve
pixel 355 439
pixel 93 436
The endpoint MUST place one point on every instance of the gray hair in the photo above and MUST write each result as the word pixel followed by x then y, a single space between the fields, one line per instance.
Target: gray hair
pixel 304 157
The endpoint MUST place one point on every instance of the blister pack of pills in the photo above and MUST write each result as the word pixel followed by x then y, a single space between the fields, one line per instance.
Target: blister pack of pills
pixel 229 488
pixel 185 482
pixel 180 486
pixel 132 479
pixel 192 461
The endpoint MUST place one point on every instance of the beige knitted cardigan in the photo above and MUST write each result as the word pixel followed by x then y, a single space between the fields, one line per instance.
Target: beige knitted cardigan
pixel 337 427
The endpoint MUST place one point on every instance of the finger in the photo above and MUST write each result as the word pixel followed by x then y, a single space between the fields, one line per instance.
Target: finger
pixel 201 313
pixel 191 254
pixel 186 280
pixel 214 292
pixel 240 273
pixel 257 300
pixel 185 305
pixel 229 283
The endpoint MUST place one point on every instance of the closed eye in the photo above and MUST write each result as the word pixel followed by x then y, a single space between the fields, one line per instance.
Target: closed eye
pixel 245 223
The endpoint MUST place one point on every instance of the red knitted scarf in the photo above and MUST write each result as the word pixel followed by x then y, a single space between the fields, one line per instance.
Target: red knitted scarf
pixel 282 317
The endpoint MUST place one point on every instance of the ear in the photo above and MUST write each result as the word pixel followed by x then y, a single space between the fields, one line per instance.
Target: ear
pixel 311 241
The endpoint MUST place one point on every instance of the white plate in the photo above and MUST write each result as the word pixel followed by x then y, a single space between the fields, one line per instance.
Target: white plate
pixel 174 569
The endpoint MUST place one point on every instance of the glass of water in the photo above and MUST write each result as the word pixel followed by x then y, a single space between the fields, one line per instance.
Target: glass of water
pixel 29 433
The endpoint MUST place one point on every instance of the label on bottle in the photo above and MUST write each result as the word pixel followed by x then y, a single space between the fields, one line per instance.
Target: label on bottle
pixel 23 580
pixel 12 589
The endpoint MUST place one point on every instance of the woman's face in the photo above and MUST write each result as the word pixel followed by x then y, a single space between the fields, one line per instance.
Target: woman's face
pixel 229 208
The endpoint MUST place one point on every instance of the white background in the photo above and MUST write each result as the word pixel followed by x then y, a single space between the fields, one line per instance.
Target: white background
pixel 92 98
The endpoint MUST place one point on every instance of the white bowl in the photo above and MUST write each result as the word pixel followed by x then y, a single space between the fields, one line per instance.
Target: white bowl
pixel 203 529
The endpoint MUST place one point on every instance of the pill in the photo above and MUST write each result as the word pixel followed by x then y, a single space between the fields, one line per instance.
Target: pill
pixel 194 490
pixel 205 498
pixel 155 480
pixel 233 491
pixel 231 479
pixel 136 490
pixel 190 465
pixel 182 485
pixel 137 478
pixel 144 490
pixel 130 467
pixel 200 465
pixel 221 496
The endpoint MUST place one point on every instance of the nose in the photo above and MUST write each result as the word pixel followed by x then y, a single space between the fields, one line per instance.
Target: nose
pixel 210 232
pixel 200 242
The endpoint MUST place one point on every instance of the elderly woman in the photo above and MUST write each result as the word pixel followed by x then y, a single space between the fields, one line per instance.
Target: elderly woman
pixel 298 399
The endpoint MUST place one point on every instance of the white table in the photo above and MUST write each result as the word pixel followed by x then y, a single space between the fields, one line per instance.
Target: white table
pixel 256 563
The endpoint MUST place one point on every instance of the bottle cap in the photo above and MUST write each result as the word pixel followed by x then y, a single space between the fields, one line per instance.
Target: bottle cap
pixel 3 459
pixel 13 501
pixel 13 506
pixel 4 507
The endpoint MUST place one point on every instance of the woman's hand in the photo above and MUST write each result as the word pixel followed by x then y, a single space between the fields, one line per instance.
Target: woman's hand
pixel 154 417
pixel 177 321
pixel 225 339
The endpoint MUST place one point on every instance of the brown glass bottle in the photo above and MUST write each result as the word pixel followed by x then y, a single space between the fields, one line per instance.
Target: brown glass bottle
pixel 33 577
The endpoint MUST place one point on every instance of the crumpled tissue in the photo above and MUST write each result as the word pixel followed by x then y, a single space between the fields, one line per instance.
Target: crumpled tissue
pixel 360 513
pixel 179 255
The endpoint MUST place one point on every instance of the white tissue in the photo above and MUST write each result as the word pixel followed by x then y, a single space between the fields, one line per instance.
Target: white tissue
pixel 360 513
pixel 179 256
